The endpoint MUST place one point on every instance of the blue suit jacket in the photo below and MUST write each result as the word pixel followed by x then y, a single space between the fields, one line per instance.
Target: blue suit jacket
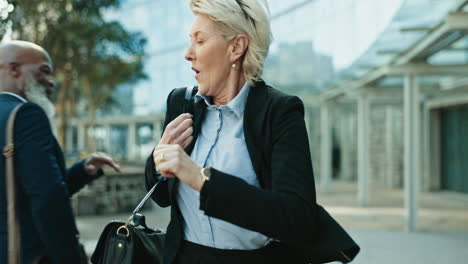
pixel 44 187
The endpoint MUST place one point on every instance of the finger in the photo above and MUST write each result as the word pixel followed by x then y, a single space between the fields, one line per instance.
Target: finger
pixel 160 149
pixel 167 174
pixel 109 161
pixel 172 125
pixel 176 132
pixel 187 133
pixel 104 155
pixel 160 155
pixel 187 142
pixel 168 167
pixel 114 165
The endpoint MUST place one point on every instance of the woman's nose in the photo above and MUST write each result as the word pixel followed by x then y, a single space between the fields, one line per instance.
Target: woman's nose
pixel 189 54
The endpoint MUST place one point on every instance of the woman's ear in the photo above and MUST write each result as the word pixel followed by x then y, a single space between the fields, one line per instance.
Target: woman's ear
pixel 240 44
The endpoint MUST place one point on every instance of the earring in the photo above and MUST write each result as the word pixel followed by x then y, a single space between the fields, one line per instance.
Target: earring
pixel 234 65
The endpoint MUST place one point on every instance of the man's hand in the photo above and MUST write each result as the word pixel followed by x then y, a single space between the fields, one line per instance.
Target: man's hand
pixel 97 160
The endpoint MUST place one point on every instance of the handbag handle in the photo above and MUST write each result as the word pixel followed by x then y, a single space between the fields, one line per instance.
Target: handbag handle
pixel 14 230
pixel 143 201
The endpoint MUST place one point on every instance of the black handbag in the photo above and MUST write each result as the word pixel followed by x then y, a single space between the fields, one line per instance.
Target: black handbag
pixel 126 242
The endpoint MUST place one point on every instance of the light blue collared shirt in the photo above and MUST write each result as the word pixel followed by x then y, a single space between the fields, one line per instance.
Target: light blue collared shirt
pixel 220 145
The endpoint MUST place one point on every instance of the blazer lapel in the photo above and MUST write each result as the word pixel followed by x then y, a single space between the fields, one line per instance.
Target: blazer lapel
pixel 253 123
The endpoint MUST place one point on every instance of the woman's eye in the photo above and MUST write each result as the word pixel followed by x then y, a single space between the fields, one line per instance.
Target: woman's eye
pixel 199 41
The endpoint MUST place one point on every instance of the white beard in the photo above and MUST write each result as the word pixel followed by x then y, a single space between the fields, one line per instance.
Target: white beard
pixel 36 93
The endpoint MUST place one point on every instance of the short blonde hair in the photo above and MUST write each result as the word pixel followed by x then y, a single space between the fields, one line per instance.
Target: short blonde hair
pixel 247 17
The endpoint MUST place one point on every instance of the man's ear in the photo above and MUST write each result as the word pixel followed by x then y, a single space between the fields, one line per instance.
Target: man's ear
pixel 14 69
pixel 240 44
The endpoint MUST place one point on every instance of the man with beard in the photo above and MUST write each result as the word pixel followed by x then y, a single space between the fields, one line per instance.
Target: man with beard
pixel 43 184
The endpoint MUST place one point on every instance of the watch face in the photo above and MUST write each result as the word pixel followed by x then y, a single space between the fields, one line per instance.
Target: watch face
pixel 207 172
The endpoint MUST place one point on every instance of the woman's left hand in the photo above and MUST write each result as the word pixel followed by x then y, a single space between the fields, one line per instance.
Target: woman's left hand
pixel 172 160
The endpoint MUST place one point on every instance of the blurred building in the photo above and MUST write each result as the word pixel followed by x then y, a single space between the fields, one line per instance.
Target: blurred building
pixel 297 68
pixel 399 112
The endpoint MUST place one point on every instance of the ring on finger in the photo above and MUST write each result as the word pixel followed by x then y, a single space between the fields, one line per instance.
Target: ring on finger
pixel 162 158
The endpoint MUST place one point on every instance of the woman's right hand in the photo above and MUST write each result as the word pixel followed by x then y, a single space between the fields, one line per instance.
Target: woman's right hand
pixel 179 131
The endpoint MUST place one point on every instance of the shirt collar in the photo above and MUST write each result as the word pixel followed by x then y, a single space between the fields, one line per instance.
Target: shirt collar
pixel 236 105
pixel 15 95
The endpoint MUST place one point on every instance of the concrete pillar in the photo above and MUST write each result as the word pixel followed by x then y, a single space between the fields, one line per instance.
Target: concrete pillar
pixel 69 139
pixel 434 150
pixel 81 136
pixel 131 140
pixel 346 146
pixel 411 119
pixel 325 148
pixel 107 139
pixel 425 167
pixel 363 149
pixel 390 170
pixel 157 133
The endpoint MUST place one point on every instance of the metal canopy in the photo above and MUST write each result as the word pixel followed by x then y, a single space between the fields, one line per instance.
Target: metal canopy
pixel 437 50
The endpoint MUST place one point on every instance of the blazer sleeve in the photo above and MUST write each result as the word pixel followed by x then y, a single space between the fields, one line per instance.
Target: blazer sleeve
pixel 287 210
pixel 152 176
pixel 76 177
pixel 42 180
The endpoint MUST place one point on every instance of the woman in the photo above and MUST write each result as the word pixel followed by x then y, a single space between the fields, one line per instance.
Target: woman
pixel 240 175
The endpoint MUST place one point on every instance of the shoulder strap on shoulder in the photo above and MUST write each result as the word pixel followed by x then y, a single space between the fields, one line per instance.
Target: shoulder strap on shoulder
pixel 188 99
pixel 14 231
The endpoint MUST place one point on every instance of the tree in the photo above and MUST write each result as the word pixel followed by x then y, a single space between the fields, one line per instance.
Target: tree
pixel 91 56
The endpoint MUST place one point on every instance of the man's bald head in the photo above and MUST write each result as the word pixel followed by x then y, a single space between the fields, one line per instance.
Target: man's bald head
pixel 21 52
pixel 21 59
pixel 26 70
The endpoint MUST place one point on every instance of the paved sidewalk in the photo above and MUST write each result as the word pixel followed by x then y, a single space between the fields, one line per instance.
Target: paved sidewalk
pixel 378 247
pixel 397 247
pixel 378 228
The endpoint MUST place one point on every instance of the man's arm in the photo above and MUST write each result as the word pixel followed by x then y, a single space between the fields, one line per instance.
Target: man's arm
pixel 77 177
pixel 41 178
pixel 87 170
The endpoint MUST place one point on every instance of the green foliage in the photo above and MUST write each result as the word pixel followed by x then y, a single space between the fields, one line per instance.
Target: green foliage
pixel 86 49
pixel 91 55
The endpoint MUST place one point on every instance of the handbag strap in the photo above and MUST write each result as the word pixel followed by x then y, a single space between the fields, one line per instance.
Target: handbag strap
pixel 143 201
pixel 14 230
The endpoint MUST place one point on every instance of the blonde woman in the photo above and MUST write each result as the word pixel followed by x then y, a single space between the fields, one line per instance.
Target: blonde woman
pixel 240 179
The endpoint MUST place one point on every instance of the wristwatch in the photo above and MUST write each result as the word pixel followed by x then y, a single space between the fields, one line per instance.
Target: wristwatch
pixel 206 173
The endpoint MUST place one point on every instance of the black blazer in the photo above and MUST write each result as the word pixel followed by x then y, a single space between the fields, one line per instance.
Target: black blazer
pixel 44 187
pixel 285 206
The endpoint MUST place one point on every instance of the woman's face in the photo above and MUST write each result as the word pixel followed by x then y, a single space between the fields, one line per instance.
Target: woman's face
pixel 210 56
